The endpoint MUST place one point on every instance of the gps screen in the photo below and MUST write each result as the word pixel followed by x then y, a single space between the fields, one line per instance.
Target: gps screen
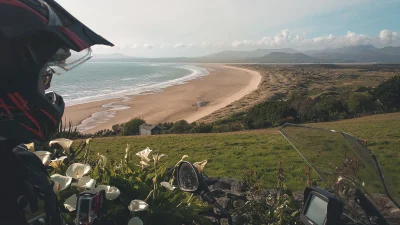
pixel 316 210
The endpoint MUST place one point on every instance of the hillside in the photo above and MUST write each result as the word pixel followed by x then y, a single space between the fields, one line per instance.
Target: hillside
pixel 228 154
pixel 281 57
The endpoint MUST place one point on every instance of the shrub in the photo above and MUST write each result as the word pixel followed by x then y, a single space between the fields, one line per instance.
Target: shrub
pixel 132 127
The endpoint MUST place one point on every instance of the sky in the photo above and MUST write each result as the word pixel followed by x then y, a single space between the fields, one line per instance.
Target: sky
pixel 174 28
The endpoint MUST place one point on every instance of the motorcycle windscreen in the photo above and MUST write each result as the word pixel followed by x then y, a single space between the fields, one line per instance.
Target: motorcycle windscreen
pixel 344 164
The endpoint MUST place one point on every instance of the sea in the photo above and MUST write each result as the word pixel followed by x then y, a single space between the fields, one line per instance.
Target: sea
pixel 96 81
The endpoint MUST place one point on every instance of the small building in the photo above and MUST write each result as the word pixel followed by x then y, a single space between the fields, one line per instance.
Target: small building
pixel 148 129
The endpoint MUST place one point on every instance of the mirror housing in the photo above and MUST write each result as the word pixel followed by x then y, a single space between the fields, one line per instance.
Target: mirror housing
pixel 190 180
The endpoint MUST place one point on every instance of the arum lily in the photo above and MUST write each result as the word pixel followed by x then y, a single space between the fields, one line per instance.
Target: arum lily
pixel 31 146
pixel 60 182
pixel 168 186
pixel 102 160
pixel 138 205
pixel 70 203
pixel 144 154
pixel 77 170
pixel 88 140
pixel 128 147
pixel 111 192
pixel 63 142
pixel 143 164
pixel 184 157
pixel 157 158
pixel 200 165
pixel 58 162
pixel 135 221
pixel 86 182
pixel 44 156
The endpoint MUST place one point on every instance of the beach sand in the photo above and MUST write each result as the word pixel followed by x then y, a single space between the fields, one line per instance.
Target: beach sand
pixel 220 88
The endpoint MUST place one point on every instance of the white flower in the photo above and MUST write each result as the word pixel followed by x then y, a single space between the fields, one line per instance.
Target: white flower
pixel 184 157
pixel 60 182
pixel 86 182
pixel 138 205
pixel 88 140
pixel 31 146
pixel 135 221
pixel 200 165
pixel 70 203
pixel 77 170
pixel 168 186
pixel 58 162
pixel 63 142
pixel 111 192
pixel 144 154
pixel 128 147
pixel 102 160
pixel 157 157
pixel 143 164
pixel 44 156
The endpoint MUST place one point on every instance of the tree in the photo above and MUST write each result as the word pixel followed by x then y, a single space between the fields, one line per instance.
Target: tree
pixel 132 127
pixel 388 92
pixel 180 127
pixel 360 102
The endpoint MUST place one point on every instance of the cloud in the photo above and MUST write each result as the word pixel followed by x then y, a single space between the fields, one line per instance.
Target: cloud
pixel 284 39
pixel 180 45
pixel 148 46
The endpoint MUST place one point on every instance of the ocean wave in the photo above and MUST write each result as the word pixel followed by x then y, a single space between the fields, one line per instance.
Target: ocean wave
pixel 195 73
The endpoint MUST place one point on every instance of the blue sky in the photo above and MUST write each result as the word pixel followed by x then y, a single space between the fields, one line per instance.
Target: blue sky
pixel 160 28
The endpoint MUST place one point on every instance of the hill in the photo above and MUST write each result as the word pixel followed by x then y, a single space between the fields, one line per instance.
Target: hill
pixel 228 154
pixel 281 57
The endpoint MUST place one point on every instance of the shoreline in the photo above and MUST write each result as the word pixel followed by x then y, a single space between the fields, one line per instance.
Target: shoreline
pixel 190 101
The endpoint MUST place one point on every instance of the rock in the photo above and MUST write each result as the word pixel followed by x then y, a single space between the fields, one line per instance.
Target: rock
pixel 239 203
pixel 239 185
pixel 217 193
pixel 225 202
pixel 224 221
pixel 212 180
pixel 238 219
pixel 223 184
pixel 298 196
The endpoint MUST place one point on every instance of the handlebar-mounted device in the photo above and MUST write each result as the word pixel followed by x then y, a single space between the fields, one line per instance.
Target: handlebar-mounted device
pixel 89 207
pixel 321 207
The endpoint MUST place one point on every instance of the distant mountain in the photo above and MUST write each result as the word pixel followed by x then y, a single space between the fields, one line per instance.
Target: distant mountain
pixel 240 55
pixel 111 56
pixel 281 57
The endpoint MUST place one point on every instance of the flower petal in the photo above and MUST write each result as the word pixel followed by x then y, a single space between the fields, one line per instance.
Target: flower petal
pixel 103 160
pixel 135 221
pixel 44 156
pixel 144 154
pixel 70 203
pixel 138 205
pixel 111 192
pixel 184 157
pixel 58 162
pixel 200 165
pixel 86 182
pixel 88 140
pixel 63 142
pixel 168 186
pixel 77 170
pixel 61 182
pixel 31 146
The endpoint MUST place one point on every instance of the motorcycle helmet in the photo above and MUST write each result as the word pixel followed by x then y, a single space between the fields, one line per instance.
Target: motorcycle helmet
pixel 38 38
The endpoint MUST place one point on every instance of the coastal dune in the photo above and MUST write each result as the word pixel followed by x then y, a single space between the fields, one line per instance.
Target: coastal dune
pixel 190 101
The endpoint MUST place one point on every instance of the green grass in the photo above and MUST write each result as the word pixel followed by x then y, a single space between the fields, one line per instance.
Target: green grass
pixel 228 154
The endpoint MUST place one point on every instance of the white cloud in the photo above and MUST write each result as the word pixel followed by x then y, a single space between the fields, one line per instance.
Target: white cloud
pixel 148 46
pixel 180 45
pixel 300 41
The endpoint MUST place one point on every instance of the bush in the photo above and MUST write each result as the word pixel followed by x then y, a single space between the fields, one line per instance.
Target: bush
pixel 132 127
pixel 388 92
pixel 180 127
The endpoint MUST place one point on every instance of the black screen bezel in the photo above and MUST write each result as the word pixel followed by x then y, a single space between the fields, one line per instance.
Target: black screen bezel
pixel 305 218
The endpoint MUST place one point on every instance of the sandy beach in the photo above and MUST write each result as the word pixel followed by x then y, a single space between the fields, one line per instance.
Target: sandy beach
pixel 191 101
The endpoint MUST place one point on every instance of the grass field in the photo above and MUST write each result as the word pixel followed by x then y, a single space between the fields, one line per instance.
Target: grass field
pixel 229 154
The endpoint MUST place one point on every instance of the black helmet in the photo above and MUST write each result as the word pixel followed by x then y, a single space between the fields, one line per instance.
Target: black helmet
pixel 36 38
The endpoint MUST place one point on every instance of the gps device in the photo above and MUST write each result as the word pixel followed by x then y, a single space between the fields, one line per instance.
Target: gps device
pixel 321 207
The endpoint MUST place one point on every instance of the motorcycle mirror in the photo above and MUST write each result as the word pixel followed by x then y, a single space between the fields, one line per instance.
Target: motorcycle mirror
pixel 188 177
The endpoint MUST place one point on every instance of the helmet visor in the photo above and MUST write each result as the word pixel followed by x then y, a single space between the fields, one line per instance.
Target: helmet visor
pixel 65 59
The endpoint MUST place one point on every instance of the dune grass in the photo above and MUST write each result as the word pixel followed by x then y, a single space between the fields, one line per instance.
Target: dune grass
pixel 229 154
